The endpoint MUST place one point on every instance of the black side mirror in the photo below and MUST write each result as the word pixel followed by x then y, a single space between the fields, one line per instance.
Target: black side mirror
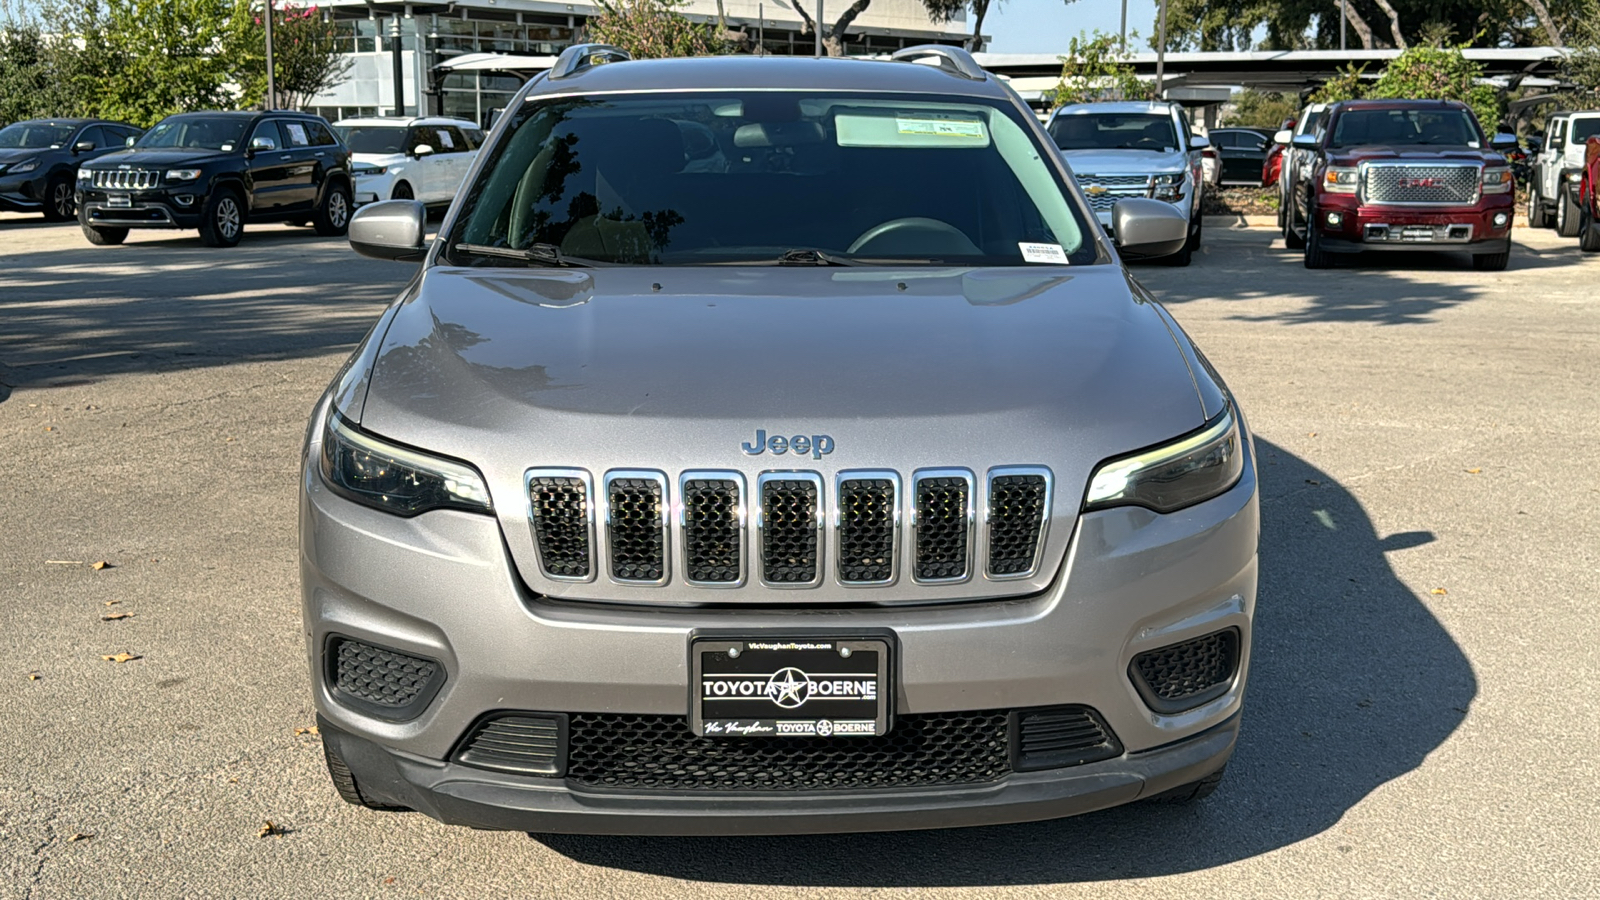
pixel 82 147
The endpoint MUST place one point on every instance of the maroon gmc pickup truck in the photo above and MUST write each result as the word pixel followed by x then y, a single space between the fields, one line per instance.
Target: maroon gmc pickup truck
pixel 1403 175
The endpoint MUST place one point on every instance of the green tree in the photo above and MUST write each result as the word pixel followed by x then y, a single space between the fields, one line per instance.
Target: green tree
pixel 653 29
pixel 1261 109
pixel 1095 69
pixel 36 74
pixel 307 57
pixel 1347 84
pixel 1439 73
pixel 1582 67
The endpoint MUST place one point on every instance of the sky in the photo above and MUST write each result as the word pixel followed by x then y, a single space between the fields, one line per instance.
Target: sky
pixel 1045 26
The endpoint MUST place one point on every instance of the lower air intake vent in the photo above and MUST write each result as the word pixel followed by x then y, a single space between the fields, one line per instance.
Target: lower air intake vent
pixel 1183 676
pixel 636 526
pixel 790 531
pixel 943 525
pixel 713 533
pixel 867 530
pixel 379 681
pixel 1016 518
pixel 524 744
pixel 1063 736
pixel 562 525
pixel 662 753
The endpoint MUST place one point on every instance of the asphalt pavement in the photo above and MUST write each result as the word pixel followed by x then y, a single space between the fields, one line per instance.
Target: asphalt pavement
pixel 1421 723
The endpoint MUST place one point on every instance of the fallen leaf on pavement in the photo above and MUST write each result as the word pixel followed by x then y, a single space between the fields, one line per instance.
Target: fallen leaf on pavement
pixel 309 729
pixel 63 562
pixel 122 657
pixel 1440 591
pixel 270 829
pixel 116 617
pixel 1473 471
pixel 102 564
pixel 1312 434
pixel 112 602
pixel 79 836
pixel 34 676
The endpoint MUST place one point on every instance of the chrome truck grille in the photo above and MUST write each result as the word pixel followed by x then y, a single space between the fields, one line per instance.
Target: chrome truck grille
pixel 1104 191
pixel 126 179
pixel 792 530
pixel 1453 184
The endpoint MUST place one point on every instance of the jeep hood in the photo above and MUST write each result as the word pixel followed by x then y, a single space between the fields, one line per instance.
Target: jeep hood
pixel 1125 162
pixel 154 158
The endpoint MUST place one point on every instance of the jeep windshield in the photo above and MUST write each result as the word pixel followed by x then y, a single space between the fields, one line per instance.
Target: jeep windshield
pixel 195 133
pixel 34 135
pixel 384 139
pixel 1115 131
pixel 768 178
pixel 1582 129
pixel 1405 127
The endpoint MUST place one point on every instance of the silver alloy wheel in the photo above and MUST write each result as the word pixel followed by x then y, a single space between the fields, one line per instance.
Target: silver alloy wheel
pixel 1561 213
pixel 228 218
pixel 62 200
pixel 338 209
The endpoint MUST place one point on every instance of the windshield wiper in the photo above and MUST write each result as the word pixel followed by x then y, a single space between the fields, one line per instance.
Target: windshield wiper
pixel 542 254
pixel 813 258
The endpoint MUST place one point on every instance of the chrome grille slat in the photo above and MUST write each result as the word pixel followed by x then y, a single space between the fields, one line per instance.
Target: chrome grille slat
pixel 636 526
pixel 867 527
pixel 941 518
pixel 1016 520
pixel 1116 187
pixel 1413 183
pixel 789 522
pixel 711 519
pixel 561 511
pixel 126 179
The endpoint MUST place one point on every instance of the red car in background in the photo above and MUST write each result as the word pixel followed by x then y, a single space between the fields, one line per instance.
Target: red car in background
pixel 1589 198
pixel 1272 166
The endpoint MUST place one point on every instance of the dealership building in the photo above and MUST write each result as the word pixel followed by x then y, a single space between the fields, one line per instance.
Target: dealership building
pixel 467 58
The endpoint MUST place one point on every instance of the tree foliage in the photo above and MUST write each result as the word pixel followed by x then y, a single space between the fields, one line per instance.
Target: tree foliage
pixel 654 29
pixel 1096 69
pixel 1261 109
pixel 37 73
pixel 1426 73
pixel 306 56
pixel 1582 67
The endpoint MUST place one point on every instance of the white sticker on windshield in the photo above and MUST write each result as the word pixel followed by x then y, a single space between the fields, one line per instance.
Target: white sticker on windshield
pixel 943 126
pixel 1043 253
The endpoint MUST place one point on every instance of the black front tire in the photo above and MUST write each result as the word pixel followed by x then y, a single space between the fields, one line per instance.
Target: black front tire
pixel 1568 214
pixel 1589 234
pixel 402 191
pixel 1538 216
pixel 1292 239
pixel 1491 262
pixel 1199 230
pixel 1182 257
pixel 1316 257
pixel 103 237
pixel 344 781
pixel 60 205
pixel 1192 792
pixel 333 216
pixel 222 219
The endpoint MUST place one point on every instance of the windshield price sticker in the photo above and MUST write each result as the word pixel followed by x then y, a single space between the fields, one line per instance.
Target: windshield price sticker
pixel 1043 253
pixel 810 688
pixel 941 126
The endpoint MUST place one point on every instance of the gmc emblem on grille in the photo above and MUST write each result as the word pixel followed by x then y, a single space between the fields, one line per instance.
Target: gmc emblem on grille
pixel 1419 182
pixel 818 445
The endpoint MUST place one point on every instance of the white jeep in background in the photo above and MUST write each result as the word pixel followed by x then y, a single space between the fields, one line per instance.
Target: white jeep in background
pixel 1558 171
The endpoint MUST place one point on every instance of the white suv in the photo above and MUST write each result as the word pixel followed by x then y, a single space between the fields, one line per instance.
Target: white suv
pixel 1558 171
pixel 409 158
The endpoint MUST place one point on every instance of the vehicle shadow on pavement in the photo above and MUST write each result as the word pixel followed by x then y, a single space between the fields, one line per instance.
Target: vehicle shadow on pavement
pixel 1353 683
pixel 1381 288
pixel 72 315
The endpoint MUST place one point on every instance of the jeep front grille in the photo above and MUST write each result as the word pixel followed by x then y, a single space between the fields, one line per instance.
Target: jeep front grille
pixel 792 529
pixel 1413 184
pixel 126 179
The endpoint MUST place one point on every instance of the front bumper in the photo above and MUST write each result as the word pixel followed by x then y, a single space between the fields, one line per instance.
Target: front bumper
pixel 21 193
pixel 1361 227
pixel 156 208
pixel 442 586
pixel 372 188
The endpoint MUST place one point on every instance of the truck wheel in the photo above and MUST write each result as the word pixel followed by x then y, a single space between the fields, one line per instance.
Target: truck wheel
pixel 1182 257
pixel 1292 239
pixel 59 205
pixel 222 219
pixel 344 781
pixel 1491 262
pixel 1199 231
pixel 1538 216
pixel 1568 214
pixel 1191 792
pixel 333 217
pixel 104 237
pixel 1316 256
pixel 1589 234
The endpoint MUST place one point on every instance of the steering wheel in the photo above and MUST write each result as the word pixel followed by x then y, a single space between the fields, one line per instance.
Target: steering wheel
pixel 914 236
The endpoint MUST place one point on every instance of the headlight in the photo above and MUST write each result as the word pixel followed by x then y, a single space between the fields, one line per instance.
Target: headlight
pixel 376 473
pixel 1574 177
pixel 368 169
pixel 27 165
pixel 1170 477
pixel 1340 179
pixel 1168 187
pixel 1497 180
pixel 182 174
pixel 84 175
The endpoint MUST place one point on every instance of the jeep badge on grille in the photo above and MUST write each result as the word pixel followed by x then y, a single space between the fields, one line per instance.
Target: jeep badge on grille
pixel 818 445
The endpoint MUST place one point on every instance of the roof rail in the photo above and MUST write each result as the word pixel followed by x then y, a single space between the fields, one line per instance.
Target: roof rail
pixel 581 57
pixel 954 60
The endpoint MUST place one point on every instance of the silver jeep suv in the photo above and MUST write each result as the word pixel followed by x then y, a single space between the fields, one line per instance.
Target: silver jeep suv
pixel 774 445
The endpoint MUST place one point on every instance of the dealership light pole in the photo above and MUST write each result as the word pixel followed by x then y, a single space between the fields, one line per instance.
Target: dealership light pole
pixel 272 93
pixel 1161 52
pixel 399 66
pixel 1344 16
pixel 1124 26
pixel 818 29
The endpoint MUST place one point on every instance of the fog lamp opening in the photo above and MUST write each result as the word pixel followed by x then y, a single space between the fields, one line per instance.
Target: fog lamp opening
pixel 1334 219
pixel 1500 219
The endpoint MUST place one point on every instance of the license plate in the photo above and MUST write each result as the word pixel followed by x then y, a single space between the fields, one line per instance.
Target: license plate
pixel 790 687
pixel 122 201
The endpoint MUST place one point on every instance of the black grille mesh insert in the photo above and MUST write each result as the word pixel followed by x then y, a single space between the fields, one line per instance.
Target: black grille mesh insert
pixel 942 528
pixel 789 531
pixel 379 676
pixel 711 530
pixel 1063 736
pixel 661 752
pixel 866 530
pixel 1190 673
pixel 516 743
pixel 1016 512
pixel 636 538
pixel 561 524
